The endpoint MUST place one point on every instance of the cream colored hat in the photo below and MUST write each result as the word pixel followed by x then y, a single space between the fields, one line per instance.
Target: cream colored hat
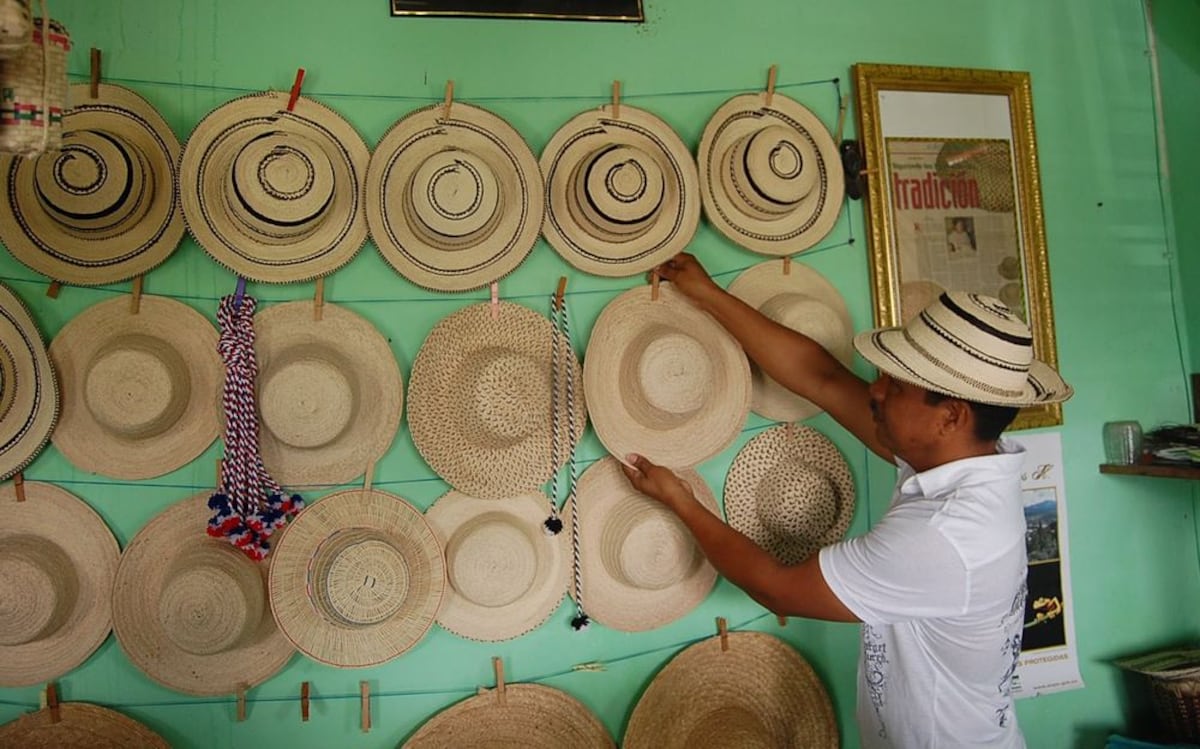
pixel 480 401
pixel 141 392
pixel 273 195
pixel 190 611
pixel 916 296
pixel 757 694
pixel 506 574
pixel 455 202
pixel 664 379
pixel 621 192
pixel 790 491
pixel 79 726
pixel 330 393
pixel 28 387
pixel 57 562
pixel 770 175
pixel 804 301
pixel 527 715
pixel 104 208
pixel 641 567
pixel 357 578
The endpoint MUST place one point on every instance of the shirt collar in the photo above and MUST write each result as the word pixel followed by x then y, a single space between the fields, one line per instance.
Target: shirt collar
pixel 940 479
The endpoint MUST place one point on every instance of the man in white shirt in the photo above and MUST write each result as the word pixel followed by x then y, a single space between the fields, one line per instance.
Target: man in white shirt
pixel 939 581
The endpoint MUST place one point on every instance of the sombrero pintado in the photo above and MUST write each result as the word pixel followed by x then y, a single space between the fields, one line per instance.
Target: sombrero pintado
pixel 104 208
pixel 455 202
pixel 191 611
pixel 141 392
pixel 57 564
pixel 273 195
pixel 621 192
pixel 28 388
pixel 78 725
pixel 770 175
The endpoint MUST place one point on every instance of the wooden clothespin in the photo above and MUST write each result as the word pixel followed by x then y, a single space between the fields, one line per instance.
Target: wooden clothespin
pixel 241 704
pixel 787 265
pixel 220 471
pixel 498 668
pixel 53 289
pixel 296 89
pixel 782 620
pixel 771 84
pixel 135 302
pixel 51 696
pixel 654 286
pixel 616 100
pixel 495 289
pixel 560 292
pixel 94 90
pixel 369 476
pixel 319 299
pixel 723 632
pixel 19 485
pixel 449 100
pixel 841 126
pixel 364 701
pixel 304 702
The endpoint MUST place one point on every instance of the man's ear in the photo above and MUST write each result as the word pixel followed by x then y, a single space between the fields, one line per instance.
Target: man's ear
pixel 957 416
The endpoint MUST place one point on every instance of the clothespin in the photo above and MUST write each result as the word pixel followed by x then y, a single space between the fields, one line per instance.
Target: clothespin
pixel 239 293
pixel 842 105
pixel 364 701
pixel 616 100
pixel 560 292
pixel 53 289
pixel 51 696
pixel 723 632
pixel 135 303
pixel 369 476
pixel 319 299
pixel 220 471
pixel 782 620
pixel 19 485
pixel 95 83
pixel 495 288
pixel 498 668
pixel 296 89
pixel 654 286
pixel 241 704
pixel 448 101
pixel 771 84
pixel 787 265
pixel 304 702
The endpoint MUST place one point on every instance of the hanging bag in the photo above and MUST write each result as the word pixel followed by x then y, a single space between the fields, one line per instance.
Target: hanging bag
pixel 16 28
pixel 33 91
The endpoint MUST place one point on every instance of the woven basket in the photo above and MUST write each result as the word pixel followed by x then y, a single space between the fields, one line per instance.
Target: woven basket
pixel 26 94
pixel 16 28
pixel 1177 704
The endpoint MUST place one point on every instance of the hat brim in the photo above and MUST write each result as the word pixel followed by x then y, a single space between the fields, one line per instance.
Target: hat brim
pixel 29 398
pixel 79 725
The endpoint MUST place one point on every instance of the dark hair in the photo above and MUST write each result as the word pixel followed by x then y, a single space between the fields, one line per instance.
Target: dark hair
pixel 990 420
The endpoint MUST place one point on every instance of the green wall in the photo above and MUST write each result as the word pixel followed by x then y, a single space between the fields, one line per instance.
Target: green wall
pixel 1133 541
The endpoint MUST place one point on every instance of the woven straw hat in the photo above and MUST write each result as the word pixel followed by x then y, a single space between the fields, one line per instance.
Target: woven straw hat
pixel 104 208
pixel 357 578
pixel 621 192
pixel 506 575
pixel 770 175
pixel 480 401
pixel 804 301
pixel 273 195
pixel 57 562
pixel 190 611
pixel 758 694
pixel 790 491
pixel 664 380
pixel 968 346
pixel 641 567
pixel 330 393
pixel 455 202
pixel 28 388
pixel 79 726
pixel 141 392
pixel 916 296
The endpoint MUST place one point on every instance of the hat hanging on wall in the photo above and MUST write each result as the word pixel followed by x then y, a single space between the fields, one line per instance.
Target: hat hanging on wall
pixel 454 197
pixel 664 379
pixel 104 208
pixel 78 725
pixel 191 611
pixel 272 194
pixel 916 296
pixel 28 388
pixel 744 689
pixel 771 176
pixel 621 191
pixel 357 578
pixel 57 563
pixel 790 491
pixel 801 299
pixel 480 401
pixel 34 82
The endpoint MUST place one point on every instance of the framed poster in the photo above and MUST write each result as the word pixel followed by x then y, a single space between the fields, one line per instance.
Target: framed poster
pixel 563 10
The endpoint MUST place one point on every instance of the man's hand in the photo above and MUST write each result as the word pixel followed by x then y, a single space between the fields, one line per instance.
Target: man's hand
pixel 686 273
pixel 657 482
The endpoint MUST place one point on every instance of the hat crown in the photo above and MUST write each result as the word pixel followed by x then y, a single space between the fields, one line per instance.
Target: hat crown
pixel 38 589
pixel 619 188
pixel 97 185
pixel 306 397
pixel 455 195
pixel 808 315
pixel 646 546
pixel 732 727
pixel 212 599
pixel 673 372
pixel 796 500
pixel 772 169
pixel 137 386
pixel 491 560
pixel 359 577
pixel 508 394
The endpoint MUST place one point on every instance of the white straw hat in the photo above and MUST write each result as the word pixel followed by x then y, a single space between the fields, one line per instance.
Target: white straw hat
pixel 78 725
pixel 57 563
pixel 191 611
pixel 770 175
pixel 804 301
pixel 759 693
pixel 621 191
pixel 273 195
pixel 916 296
pixel 104 208
pixel 790 491
pixel 455 202
pixel 28 387
pixel 506 574
pixel 664 379
pixel 141 392
pixel 357 578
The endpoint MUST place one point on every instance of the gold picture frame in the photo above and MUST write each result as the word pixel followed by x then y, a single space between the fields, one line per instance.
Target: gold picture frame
pixel 953 199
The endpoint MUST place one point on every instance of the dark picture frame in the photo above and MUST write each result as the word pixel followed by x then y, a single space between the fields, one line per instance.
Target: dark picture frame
pixel 629 11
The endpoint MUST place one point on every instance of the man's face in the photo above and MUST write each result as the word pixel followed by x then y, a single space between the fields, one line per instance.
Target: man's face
pixel 904 422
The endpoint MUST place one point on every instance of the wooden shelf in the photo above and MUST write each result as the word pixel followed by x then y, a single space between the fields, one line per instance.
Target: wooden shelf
pixel 1150 469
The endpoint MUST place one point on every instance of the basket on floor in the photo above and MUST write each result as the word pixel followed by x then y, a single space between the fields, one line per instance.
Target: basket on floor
pixel 1177 704
pixel 33 93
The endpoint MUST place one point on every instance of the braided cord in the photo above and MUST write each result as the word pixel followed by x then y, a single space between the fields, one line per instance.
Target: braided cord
pixel 581 618
pixel 553 524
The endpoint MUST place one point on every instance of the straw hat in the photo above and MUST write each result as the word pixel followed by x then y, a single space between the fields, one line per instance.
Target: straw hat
pixel 79 726
pixel 506 575
pixel 104 208
pixel 479 401
pixel 523 715
pixel 641 567
pixel 664 380
pixel 28 388
pixel 803 301
pixel 190 611
pixel 916 296
pixel 330 393
pixel 273 195
pixel 967 346
pixel 621 192
pixel 455 202
pixel 357 578
pixel 770 175
pixel 141 392
pixel 57 562
pixel 790 491
pixel 757 694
